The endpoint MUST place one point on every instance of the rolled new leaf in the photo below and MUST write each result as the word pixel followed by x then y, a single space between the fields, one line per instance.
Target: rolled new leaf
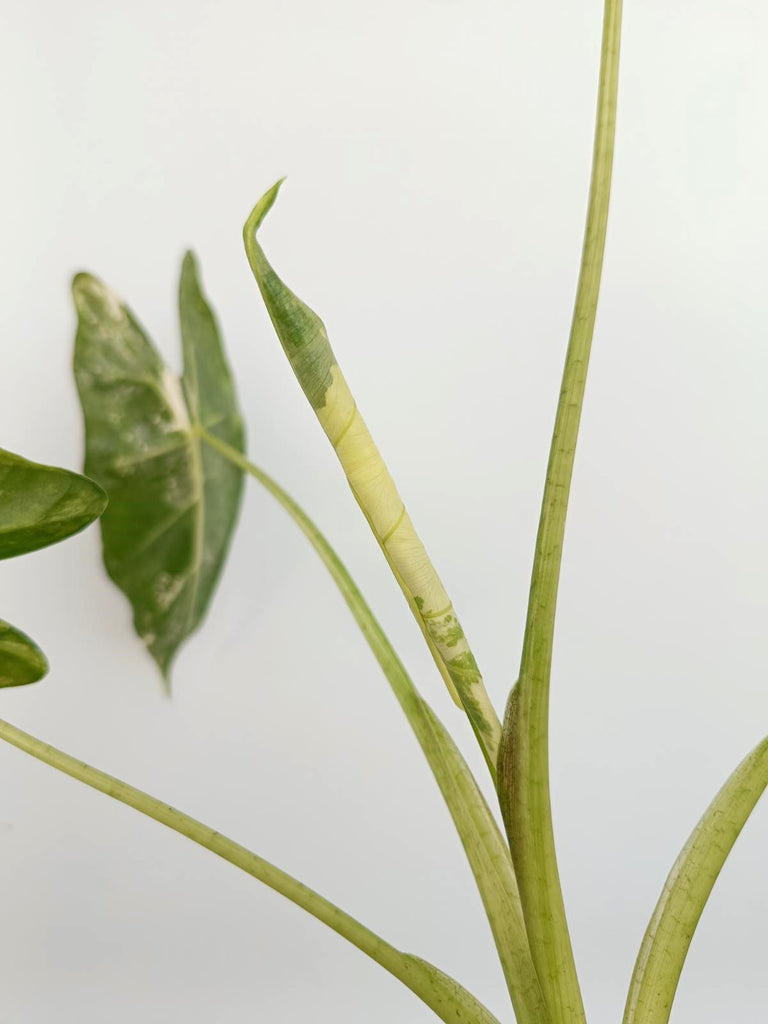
pixel 173 499
pixel 686 891
pixel 21 660
pixel 41 505
pixel 306 344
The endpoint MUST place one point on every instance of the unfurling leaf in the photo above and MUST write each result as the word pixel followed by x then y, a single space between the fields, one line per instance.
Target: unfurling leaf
pixel 173 499
pixel 40 505
pixel 21 660
pixel 305 342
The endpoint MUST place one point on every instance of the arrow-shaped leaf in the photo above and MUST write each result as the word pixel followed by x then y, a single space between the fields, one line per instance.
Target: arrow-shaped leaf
pixel 173 500
pixel 40 505
pixel 21 660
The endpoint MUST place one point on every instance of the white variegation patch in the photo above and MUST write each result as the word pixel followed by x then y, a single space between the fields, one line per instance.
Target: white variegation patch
pixel 174 395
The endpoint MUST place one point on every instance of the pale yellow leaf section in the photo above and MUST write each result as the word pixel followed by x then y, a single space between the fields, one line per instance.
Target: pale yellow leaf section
pixel 383 507
pixel 375 489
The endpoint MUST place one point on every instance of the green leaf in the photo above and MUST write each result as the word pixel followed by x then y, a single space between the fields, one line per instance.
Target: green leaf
pixel 450 1001
pixel 40 505
pixel 484 846
pixel 173 501
pixel 686 891
pixel 21 660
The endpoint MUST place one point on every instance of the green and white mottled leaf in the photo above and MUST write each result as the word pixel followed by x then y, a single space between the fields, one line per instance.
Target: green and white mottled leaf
pixel 40 505
pixel 305 342
pixel 21 660
pixel 686 891
pixel 173 500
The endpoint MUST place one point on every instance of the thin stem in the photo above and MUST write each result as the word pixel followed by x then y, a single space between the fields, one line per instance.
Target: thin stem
pixel 487 853
pixel 525 752
pixel 450 1001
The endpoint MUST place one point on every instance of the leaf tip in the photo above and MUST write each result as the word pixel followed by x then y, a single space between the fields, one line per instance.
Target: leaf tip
pixel 98 500
pixel 260 210
pixel 163 658
pixel 189 264
pixel 165 676
pixel 21 660
pixel 94 300
pixel 42 667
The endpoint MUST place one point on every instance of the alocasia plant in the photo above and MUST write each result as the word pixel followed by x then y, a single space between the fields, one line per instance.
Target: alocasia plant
pixel 169 452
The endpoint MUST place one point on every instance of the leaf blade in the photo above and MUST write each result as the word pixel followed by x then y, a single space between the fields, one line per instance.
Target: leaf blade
pixel 21 660
pixel 686 891
pixel 167 529
pixel 42 505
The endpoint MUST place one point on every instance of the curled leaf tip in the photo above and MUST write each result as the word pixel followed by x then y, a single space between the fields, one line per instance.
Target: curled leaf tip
pixel 260 210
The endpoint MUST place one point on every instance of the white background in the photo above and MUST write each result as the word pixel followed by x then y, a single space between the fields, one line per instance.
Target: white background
pixel 438 159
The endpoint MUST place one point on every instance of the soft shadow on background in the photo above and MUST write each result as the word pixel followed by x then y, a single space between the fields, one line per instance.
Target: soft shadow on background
pixel 438 158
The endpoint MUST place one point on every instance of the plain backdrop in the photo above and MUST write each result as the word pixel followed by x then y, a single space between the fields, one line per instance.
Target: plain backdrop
pixel 438 160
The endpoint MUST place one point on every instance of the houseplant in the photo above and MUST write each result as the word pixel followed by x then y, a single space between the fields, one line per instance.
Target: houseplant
pixel 550 990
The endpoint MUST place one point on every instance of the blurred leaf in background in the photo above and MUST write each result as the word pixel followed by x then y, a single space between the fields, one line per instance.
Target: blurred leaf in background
pixel 173 500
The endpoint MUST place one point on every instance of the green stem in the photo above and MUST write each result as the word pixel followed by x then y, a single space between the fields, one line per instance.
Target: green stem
pixel 449 1000
pixel 524 760
pixel 485 848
